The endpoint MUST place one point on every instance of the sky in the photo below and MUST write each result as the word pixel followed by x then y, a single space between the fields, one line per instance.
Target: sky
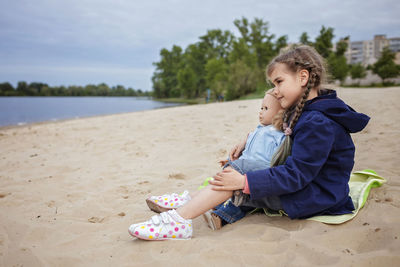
pixel 79 42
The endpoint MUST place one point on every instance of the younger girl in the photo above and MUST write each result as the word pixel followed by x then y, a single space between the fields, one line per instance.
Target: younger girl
pixel 259 148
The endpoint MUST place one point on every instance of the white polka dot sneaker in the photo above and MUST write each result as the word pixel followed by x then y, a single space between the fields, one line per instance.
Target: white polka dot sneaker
pixel 167 202
pixel 165 226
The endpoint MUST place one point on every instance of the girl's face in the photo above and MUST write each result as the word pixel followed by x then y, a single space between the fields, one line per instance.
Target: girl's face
pixel 288 85
pixel 269 108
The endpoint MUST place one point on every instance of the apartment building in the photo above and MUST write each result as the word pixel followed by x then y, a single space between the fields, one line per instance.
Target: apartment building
pixel 368 52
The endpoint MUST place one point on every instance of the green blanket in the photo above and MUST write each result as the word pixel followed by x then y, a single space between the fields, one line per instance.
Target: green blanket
pixel 360 184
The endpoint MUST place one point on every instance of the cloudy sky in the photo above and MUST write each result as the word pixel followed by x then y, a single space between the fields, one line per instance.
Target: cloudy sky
pixel 77 42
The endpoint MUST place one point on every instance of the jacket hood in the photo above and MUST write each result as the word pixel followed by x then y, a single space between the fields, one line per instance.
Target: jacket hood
pixel 331 106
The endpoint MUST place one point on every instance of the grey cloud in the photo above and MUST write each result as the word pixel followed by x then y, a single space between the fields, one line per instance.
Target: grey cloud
pixel 129 34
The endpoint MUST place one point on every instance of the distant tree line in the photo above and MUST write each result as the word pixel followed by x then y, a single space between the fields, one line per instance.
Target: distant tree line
pixel 235 66
pixel 42 89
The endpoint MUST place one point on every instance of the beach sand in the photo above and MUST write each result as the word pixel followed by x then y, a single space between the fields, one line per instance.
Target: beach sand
pixel 69 191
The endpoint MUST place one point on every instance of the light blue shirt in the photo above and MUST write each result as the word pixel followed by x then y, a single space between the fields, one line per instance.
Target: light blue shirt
pixel 262 143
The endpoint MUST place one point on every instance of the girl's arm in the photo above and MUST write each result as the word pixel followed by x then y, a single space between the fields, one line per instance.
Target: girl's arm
pixel 313 141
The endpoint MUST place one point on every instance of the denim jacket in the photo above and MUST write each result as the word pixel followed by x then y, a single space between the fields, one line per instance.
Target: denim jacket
pixel 261 145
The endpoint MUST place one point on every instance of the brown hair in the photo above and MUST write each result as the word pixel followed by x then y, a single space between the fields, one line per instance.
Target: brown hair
pixel 296 59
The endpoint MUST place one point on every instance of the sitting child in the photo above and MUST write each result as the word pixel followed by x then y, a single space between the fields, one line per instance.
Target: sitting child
pixel 177 224
pixel 311 169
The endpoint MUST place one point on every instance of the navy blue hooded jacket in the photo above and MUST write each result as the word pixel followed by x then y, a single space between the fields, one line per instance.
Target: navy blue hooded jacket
pixel 314 179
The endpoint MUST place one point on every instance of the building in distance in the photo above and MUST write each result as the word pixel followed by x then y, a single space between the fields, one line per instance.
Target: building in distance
pixel 368 52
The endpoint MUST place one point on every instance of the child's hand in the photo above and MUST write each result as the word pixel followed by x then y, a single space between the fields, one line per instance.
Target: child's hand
pixel 237 150
pixel 228 179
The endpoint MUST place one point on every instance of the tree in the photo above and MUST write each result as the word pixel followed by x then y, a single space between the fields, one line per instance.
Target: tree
pixel 45 91
pixel 280 43
pixel 357 71
pixel 323 42
pixel 217 43
pixel 241 80
pixel 102 89
pixel 23 89
pixel 206 64
pixel 337 62
pixel 42 89
pixel 304 39
pixel 61 91
pixel 256 36
pixel 158 86
pixel 131 92
pixel 217 76
pixel 341 46
pixel 35 88
pixel 6 89
pixel 241 51
pixel 385 67
pixel 338 67
pixel 255 48
pixel 165 77
pixel 90 90
pixel 187 82
pixel 195 58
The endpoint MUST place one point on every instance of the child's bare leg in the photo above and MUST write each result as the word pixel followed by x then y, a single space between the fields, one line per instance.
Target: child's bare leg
pixel 194 194
pixel 205 199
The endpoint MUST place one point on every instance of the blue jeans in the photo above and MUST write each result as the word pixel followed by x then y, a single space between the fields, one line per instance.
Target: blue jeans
pixel 231 213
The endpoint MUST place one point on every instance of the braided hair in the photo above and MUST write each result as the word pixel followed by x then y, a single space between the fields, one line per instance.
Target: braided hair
pixel 299 58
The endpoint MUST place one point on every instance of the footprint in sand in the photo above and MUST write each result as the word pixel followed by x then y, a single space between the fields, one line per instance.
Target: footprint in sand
pixel 123 189
pixel 3 195
pixel 141 154
pixel 179 176
pixel 51 204
pixel 95 220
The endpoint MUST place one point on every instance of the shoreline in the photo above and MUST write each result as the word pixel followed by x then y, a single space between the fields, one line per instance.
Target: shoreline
pixel 32 124
pixel 179 104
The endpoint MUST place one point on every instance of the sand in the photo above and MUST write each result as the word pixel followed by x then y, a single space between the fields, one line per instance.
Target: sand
pixel 69 191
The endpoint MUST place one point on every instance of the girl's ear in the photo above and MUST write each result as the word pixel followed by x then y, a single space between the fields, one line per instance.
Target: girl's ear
pixel 304 74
